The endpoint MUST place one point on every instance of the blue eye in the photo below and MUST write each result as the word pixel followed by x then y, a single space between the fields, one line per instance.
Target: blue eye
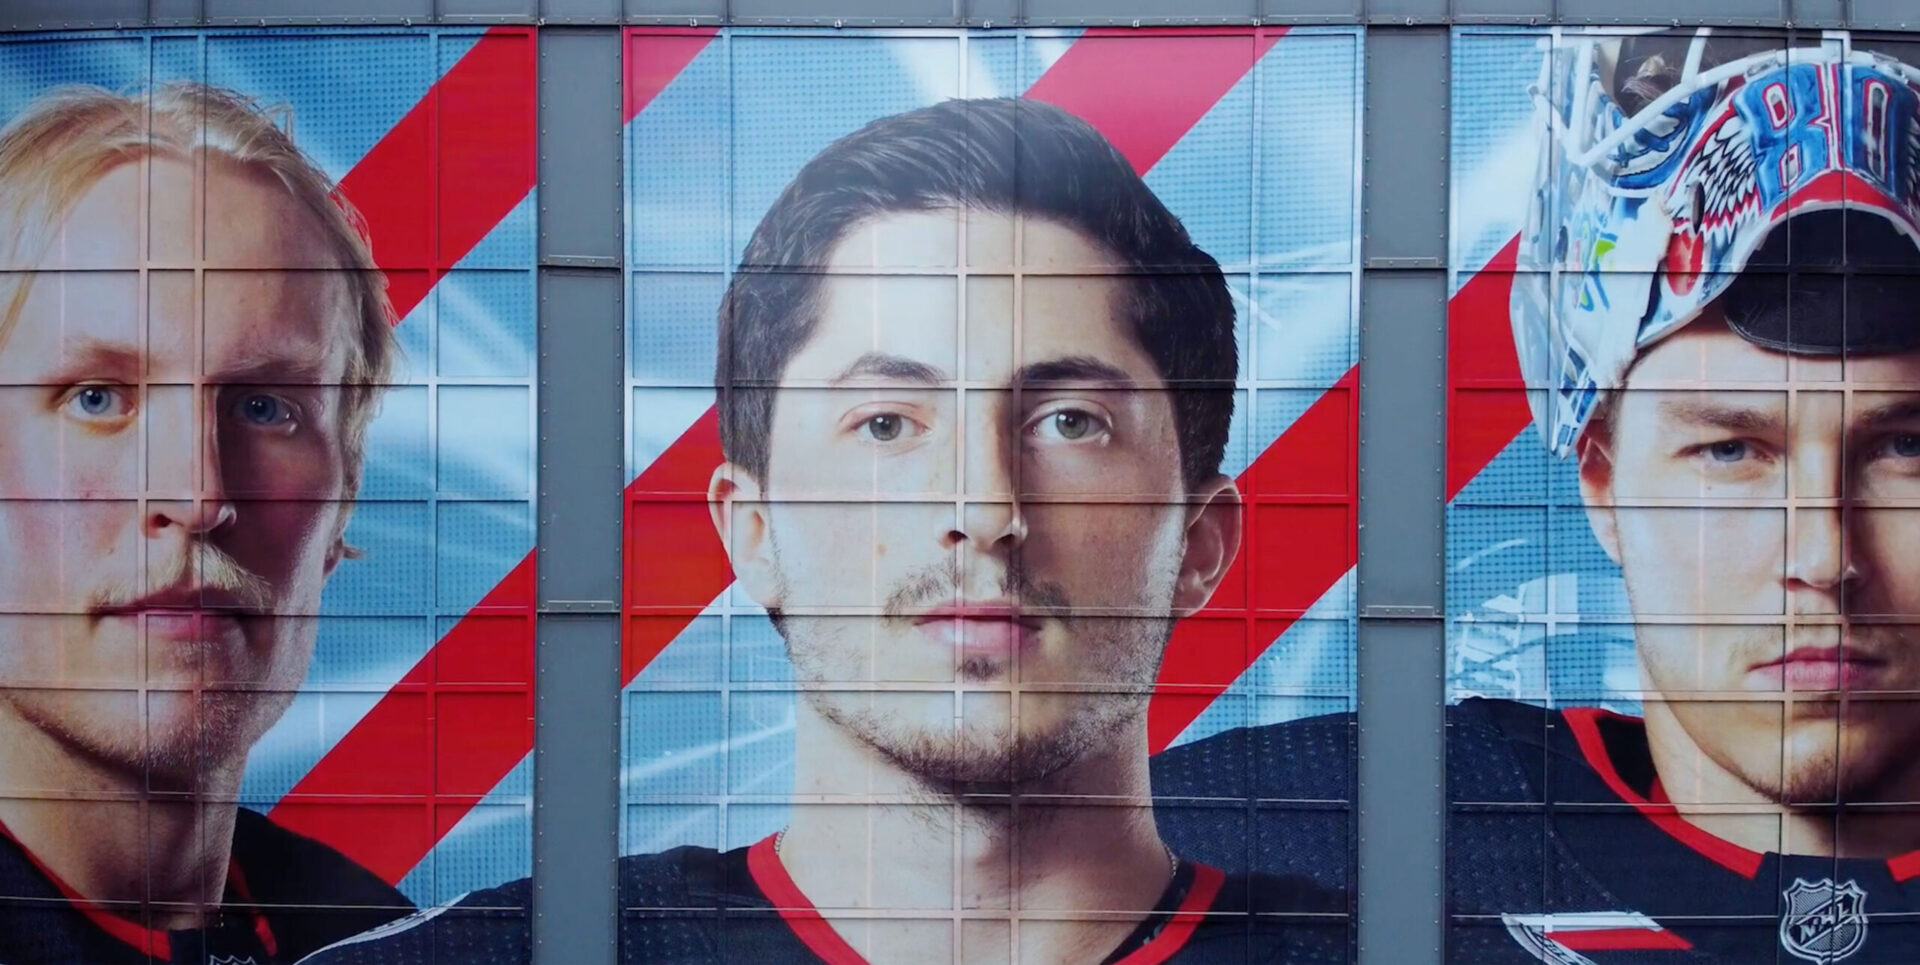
pixel 264 410
pixel 94 401
pixel 1905 445
pixel 1730 450
pixel 99 401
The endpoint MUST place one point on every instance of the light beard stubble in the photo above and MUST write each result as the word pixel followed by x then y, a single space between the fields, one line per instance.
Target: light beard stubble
pixel 994 763
pixel 217 720
pixel 1824 775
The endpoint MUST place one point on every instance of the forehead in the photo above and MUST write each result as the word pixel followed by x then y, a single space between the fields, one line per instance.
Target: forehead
pixel 989 291
pixel 173 212
pixel 1707 354
pixel 176 261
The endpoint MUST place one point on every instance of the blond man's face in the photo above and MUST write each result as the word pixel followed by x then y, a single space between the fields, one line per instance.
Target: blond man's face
pixel 171 467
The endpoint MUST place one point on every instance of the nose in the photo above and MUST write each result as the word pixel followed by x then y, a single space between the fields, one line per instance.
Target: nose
pixel 990 524
pixel 990 514
pixel 186 476
pixel 1821 557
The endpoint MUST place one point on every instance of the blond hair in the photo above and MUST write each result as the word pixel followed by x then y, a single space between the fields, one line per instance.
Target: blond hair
pixel 62 144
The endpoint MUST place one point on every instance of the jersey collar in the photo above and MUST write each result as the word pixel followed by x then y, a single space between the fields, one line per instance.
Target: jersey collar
pixel 1585 723
pixel 813 930
pixel 151 942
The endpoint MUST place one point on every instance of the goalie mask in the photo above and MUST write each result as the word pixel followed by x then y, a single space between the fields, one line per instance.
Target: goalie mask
pixel 1652 202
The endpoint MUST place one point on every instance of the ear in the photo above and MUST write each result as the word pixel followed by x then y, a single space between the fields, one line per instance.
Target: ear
pixel 1213 542
pixel 1595 454
pixel 734 500
pixel 338 549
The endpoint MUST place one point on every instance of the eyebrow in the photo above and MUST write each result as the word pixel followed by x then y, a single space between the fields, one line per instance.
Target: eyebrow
pixel 1078 369
pixel 272 369
pixel 1714 415
pixel 90 356
pixel 96 355
pixel 1905 410
pixel 897 368
pixel 1074 368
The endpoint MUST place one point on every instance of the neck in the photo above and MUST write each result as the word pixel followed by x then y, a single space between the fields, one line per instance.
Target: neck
pixel 109 836
pixel 1041 848
pixel 1723 803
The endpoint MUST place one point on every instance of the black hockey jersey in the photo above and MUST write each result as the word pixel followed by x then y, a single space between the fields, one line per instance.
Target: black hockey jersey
pixel 696 906
pixel 287 895
pixel 1562 848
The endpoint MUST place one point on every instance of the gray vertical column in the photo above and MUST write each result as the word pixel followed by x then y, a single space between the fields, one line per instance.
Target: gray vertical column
pixel 582 472
pixel 1403 297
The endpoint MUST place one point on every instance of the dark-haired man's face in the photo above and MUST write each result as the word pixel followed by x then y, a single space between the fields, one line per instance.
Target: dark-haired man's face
pixel 974 479
pixel 1761 507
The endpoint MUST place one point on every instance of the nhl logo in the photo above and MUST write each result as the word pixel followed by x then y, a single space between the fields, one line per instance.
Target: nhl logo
pixel 1824 923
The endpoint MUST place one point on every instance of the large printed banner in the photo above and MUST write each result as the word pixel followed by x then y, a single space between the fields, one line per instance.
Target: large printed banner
pixel 1684 459
pixel 266 486
pixel 992 431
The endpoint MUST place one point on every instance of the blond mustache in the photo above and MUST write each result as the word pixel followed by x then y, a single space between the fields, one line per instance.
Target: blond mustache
pixel 205 569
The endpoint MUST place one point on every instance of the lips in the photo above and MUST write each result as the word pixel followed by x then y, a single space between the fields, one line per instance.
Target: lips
pixel 991 629
pixel 1822 668
pixel 184 614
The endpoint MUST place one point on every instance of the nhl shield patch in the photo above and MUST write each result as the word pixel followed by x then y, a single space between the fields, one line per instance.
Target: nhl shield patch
pixel 1823 922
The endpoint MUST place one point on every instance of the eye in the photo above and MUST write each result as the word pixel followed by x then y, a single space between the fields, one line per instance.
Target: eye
pixel 99 402
pixel 1906 445
pixel 261 409
pixel 885 427
pixel 1729 450
pixel 1071 425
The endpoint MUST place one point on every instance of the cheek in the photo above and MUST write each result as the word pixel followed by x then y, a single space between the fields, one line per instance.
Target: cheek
pixel 1889 541
pixel 299 467
pixel 1717 561
pixel 829 554
pixel 287 542
pixel 70 544
pixel 1117 549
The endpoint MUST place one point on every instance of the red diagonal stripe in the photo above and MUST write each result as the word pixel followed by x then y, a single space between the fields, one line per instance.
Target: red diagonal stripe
pixel 1105 78
pixel 654 57
pixel 430 190
pixel 1487 406
pixel 469 177
pixel 1302 547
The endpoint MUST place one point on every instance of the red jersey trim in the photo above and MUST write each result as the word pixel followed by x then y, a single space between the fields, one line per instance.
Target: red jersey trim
pixel 1618 940
pixel 1585 724
pixel 1193 909
pixel 261 929
pixel 150 942
pixel 795 908
pixel 798 911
